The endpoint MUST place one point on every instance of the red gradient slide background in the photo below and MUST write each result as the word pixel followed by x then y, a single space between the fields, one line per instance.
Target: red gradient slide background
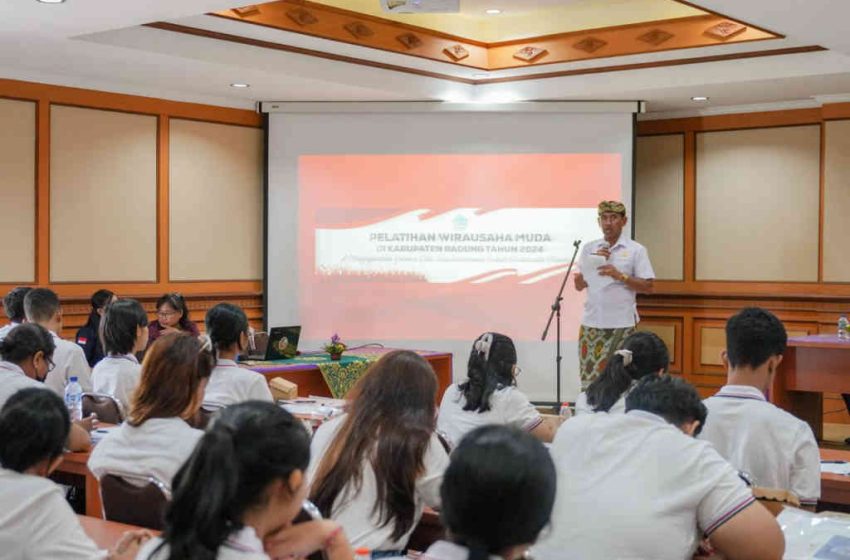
pixel 344 191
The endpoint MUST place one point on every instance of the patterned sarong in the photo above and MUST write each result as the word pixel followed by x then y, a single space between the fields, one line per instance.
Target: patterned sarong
pixel 595 346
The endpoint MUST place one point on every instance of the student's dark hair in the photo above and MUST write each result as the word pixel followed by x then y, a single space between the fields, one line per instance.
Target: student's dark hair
pixel 34 425
pixel 489 369
pixel 225 324
pixel 649 355
pixel 13 303
pixel 753 336
pixel 119 326
pixel 99 300
pixel 41 304
pixel 24 341
pixel 247 447
pixel 176 301
pixel 389 424
pixel 498 490
pixel 671 398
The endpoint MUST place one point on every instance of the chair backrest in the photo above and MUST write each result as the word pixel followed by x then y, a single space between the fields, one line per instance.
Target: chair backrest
pixel 107 407
pixel 142 503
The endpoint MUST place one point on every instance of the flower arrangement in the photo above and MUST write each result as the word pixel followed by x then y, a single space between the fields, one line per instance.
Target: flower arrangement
pixel 335 347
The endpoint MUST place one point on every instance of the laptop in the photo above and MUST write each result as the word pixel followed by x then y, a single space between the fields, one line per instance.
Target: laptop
pixel 279 344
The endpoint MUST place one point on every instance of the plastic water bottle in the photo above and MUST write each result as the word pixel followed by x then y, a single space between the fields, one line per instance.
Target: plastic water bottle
pixel 74 399
pixel 362 554
pixel 566 412
pixel 843 325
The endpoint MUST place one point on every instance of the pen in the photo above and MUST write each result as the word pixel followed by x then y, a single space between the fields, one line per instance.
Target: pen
pixel 833 462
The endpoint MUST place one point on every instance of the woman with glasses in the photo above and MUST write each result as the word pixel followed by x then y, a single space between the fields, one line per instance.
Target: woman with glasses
pixel 172 315
pixel 27 358
pixel 489 395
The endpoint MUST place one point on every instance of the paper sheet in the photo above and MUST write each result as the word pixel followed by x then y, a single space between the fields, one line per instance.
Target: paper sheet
pixel 835 468
pixel 589 265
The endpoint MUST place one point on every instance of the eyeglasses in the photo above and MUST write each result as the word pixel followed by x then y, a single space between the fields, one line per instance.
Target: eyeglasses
pixel 165 314
pixel 50 365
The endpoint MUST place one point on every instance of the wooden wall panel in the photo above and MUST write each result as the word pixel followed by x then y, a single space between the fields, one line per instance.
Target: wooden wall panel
pixel 215 201
pixel 670 331
pixel 102 196
pixel 836 233
pixel 659 202
pixel 757 209
pixel 17 189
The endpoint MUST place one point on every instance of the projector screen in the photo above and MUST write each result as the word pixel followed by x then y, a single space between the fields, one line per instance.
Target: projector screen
pixel 423 230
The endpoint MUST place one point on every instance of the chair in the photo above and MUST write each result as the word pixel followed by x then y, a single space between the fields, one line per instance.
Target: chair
pixel 107 407
pixel 135 500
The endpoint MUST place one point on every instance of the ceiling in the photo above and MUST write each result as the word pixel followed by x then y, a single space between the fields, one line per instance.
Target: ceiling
pixel 90 43
pixel 528 18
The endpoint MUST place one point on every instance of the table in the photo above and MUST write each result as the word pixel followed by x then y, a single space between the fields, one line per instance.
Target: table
pixel 812 365
pixel 310 381
pixel 106 534
pixel 75 464
pixel 835 488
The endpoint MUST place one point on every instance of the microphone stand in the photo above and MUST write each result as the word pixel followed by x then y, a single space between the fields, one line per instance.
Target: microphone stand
pixel 556 312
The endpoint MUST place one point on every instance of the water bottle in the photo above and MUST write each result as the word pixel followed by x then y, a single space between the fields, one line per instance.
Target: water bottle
pixel 74 399
pixel 566 412
pixel 843 325
pixel 362 554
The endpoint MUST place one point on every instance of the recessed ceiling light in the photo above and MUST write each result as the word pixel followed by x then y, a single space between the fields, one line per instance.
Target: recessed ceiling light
pixel 493 12
pixel 51 1
pixel 239 85
pixel 699 98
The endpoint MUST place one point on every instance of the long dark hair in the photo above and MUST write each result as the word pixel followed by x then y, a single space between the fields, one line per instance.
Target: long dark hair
pixel 225 324
pixel 490 367
pixel 649 355
pixel 389 424
pixel 99 300
pixel 176 301
pixel 247 447
pixel 498 490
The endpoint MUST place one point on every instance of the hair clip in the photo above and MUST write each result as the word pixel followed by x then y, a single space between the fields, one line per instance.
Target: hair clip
pixel 483 344
pixel 206 343
pixel 626 355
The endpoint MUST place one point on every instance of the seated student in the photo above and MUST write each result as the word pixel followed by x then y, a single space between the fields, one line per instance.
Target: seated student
pixel 227 327
pixel 774 447
pixel 638 485
pixel 124 329
pixel 42 307
pixel 13 305
pixel 238 493
pixel 489 395
pixel 35 519
pixel 172 315
pixel 88 337
pixel 155 439
pixel 643 353
pixel 26 355
pixel 497 493
pixel 375 468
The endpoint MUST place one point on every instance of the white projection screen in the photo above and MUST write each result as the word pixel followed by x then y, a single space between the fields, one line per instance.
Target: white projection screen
pixel 420 226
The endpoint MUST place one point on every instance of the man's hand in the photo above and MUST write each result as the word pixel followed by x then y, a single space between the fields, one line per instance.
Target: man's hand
pixel 610 270
pixel 88 423
pixel 579 282
pixel 603 252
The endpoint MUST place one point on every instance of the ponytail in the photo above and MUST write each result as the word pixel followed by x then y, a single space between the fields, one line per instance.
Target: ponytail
pixel 490 368
pixel 643 353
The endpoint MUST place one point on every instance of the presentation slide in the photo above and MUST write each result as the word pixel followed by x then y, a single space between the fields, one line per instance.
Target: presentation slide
pixel 413 246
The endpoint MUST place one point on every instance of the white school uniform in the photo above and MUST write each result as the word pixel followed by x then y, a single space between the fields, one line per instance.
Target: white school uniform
pixel 230 384
pixel 354 512
pixel 508 405
pixel 6 329
pixel 37 522
pixel 69 360
pixel 777 449
pixel 157 448
pixel 582 406
pixel 444 550
pixel 242 545
pixel 633 486
pixel 12 380
pixel 117 375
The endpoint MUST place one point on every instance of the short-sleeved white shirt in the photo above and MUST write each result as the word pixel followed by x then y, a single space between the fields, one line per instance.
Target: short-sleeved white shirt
pixel 230 384
pixel 243 545
pixel 117 375
pixel 633 486
pixel 583 407
pixel 508 405
pixel 69 361
pixel 5 329
pixel 354 511
pixel 157 448
pixel 615 305
pixel 777 449
pixel 13 379
pixel 37 522
pixel 444 550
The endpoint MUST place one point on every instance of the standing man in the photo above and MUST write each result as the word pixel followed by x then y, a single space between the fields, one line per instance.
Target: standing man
pixel 610 313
